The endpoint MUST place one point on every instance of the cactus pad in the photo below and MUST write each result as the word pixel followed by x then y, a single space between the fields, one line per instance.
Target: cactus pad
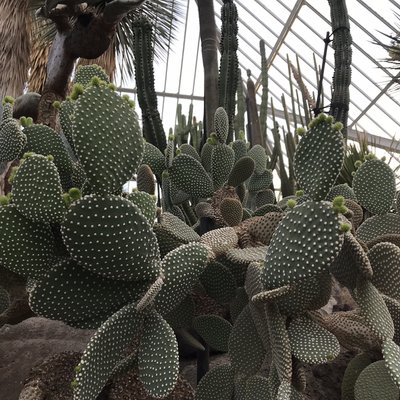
pixel 391 355
pixel 37 192
pixel 80 294
pixel 109 144
pixel 304 244
pixel 231 211
pixel 221 124
pixel 27 248
pixel 261 181
pixel 146 204
pixel 178 229
pixel 110 236
pixel 241 171
pixel 189 175
pixel 158 358
pixel 319 157
pixel 181 268
pixel 104 351
pixel 214 330
pixel 341 190
pixel 12 140
pixel 220 240
pixel 85 73
pixel 257 388
pixel 378 225
pixel 257 153
pixel 374 382
pixel 145 179
pixel 374 186
pixel 154 158
pixel 311 343
pixel 4 300
pixel 218 383
pixel 222 162
pixel 246 349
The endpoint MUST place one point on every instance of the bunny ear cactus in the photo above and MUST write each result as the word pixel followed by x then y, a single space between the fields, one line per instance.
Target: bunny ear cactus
pixel 319 157
pixel 12 140
pixel 85 73
pixel 109 145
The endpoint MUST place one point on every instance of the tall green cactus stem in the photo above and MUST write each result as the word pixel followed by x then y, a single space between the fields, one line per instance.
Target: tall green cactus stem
pixel 342 75
pixel 241 107
pixel 264 95
pixel 184 125
pixel 228 74
pixel 153 129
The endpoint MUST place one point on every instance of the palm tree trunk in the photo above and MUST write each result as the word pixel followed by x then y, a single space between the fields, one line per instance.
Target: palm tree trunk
pixel 209 47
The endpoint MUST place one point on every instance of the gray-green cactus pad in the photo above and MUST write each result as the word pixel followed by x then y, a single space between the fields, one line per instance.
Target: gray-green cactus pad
pixel 221 124
pixel 374 383
pixel 238 303
pixel 391 355
pixel 107 138
pixel 181 268
pixel 318 158
pixel 241 171
pixel 37 192
pixel 311 343
pixel 178 229
pixel 304 244
pixel 154 158
pixel 341 190
pixel 189 175
pixel 373 309
pixel 182 315
pixel 146 204
pixel 222 161
pixel 258 154
pixel 220 240
pixel 104 351
pixel 353 370
pixel 71 293
pixel 158 358
pixel 214 330
pixel 27 248
pixel 110 236
pixel 12 140
pixel 219 282
pixel 218 383
pixel 240 148
pixel 385 261
pixel 43 140
pixel 261 181
pixel 394 309
pixel 85 73
pixel 374 185
pixel 257 388
pixel 145 179
pixel 66 115
pixel 377 226
pixel 246 349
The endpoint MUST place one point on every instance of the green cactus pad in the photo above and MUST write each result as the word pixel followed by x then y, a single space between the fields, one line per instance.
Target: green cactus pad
pixel 231 211
pixel 4 300
pixel 258 154
pixel 241 171
pixel 104 351
pixel 158 358
pixel 206 153
pixel 258 388
pixel 8 106
pixel 218 383
pixel 187 148
pixel 374 383
pixel 110 145
pixel 240 149
pixel 219 282
pixel 189 175
pixel 220 240
pixel 166 241
pixel 246 349
pixel 385 262
pixel 238 303
pixel 37 192
pixel 78 175
pixel 350 262
pixel 318 158
pixel 341 190
pixel 214 330
pixel 358 213
pixel 377 226
pixel 65 113
pixel 146 204
pixel 221 124
pixel 353 371
pixel 85 73
pixel 43 140
pixel 181 268
pixel 181 317
pixel 110 236
pixel 154 158
pixel 260 182
pixel 27 248
pixel 247 255
pixel 252 283
pixel 280 343
pixel 264 197
pixel 304 244
pixel 311 343
pixel 222 162
pixel 391 356
pixel 80 294
pixel 374 185
pixel 12 140
pixel 178 229
pixel 394 310
pixel 204 209
pixel 145 179
pixel 373 309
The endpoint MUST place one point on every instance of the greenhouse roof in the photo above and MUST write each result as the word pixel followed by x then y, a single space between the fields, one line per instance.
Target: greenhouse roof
pixel 295 30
